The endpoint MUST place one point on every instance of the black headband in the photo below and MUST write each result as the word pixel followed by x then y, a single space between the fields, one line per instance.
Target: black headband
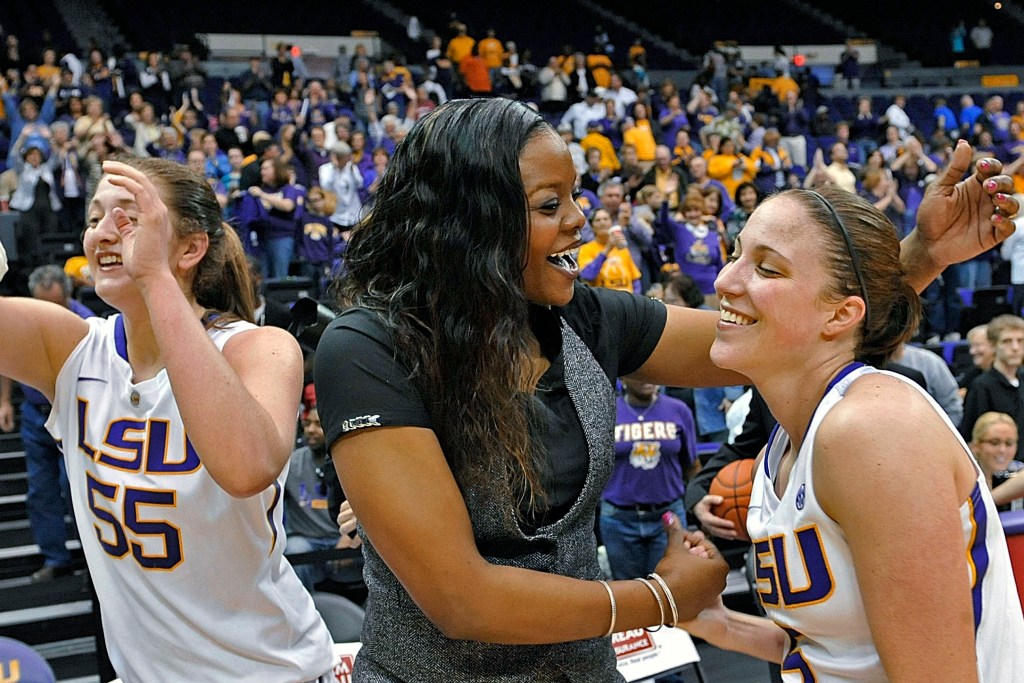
pixel 853 254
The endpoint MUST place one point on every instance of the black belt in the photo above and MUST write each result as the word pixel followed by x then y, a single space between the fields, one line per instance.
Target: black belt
pixel 643 507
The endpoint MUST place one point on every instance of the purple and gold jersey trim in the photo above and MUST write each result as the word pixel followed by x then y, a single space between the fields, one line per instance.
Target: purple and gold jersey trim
pixel 270 517
pixel 977 551
pixel 855 365
pixel 120 338
pixel 767 450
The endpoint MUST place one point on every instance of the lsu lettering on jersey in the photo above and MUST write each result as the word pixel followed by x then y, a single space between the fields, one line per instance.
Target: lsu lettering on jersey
pixel 806 579
pixel 192 582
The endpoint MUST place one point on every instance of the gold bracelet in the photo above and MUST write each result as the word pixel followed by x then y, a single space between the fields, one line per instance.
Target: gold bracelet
pixel 611 598
pixel 661 605
pixel 668 596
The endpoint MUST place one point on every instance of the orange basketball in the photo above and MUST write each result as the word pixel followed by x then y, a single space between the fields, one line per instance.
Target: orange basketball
pixel 734 483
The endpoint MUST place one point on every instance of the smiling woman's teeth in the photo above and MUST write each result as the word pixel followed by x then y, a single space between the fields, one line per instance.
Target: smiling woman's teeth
pixel 735 318
pixel 565 259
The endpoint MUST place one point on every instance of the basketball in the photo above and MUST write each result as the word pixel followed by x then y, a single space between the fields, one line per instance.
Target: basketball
pixel 734 483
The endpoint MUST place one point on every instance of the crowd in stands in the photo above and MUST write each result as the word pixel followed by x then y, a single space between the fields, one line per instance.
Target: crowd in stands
pixel 267 136
pixel 669 171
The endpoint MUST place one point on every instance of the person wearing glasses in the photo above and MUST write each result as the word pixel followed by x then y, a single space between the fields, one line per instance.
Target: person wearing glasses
pixel 879 554
pixel 994 443
pixel 998 388
pixel 466 397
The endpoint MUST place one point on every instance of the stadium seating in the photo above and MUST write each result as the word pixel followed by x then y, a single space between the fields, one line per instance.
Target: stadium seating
pixel 343 617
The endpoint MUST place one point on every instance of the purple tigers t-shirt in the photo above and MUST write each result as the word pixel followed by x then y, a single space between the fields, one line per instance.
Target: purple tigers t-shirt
pixel 651 446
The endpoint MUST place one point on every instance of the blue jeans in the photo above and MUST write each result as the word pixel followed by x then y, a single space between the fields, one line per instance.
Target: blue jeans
pixel 865 147
pixel 277 255
pixel 635 540
pixel 975 273
pixel 943 304
pixel 49 495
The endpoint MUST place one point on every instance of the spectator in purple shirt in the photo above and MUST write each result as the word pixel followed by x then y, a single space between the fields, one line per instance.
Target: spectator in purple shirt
pixel 655 451
pixel 269 213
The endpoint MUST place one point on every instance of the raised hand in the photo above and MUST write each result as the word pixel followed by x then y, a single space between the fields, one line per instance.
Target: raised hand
pixel 146 237
pixel 959 219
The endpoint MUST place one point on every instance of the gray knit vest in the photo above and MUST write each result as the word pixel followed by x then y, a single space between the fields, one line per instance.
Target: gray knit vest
pixel 401 644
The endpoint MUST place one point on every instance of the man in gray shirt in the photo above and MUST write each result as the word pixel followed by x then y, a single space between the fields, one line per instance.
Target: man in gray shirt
pixel 941 383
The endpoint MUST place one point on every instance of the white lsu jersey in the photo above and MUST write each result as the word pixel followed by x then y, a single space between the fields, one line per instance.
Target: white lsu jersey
pixel 807 583
pixel 193 583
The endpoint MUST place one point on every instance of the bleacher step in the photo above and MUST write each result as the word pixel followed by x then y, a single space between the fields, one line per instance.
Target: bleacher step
pixel 10 442
pixel 34 615
pixel 31 549
pixel 13 482
pixel 12 507
pixel 12 461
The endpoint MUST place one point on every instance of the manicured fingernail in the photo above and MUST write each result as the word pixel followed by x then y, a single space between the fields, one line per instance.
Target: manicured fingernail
pixel 983 164
pixel 668 518
pixel 1000 197
pixel 990 184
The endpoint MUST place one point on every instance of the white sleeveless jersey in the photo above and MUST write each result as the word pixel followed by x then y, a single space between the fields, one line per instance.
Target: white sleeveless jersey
pixel 807 583
pixel 192 582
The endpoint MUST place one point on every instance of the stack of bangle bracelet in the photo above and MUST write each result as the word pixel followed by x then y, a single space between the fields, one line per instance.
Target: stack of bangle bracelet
pixel 661 605
pixel 668 597
pixel 657 597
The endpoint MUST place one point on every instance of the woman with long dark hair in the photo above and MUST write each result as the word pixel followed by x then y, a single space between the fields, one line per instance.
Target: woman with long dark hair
pixel 467 397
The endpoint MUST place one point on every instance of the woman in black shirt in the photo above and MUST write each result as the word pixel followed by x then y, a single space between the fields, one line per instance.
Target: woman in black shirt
pixel 466 394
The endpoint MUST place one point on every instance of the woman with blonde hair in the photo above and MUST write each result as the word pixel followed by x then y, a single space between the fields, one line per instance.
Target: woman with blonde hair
pixel 94 120
pixel 994 444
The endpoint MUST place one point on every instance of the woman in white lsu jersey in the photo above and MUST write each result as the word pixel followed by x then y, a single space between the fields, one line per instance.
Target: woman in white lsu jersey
pixel 176 418
pixel 879 552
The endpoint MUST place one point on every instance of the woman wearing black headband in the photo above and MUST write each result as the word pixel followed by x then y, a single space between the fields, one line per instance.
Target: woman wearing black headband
pixel 879 552
pixel 466 394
